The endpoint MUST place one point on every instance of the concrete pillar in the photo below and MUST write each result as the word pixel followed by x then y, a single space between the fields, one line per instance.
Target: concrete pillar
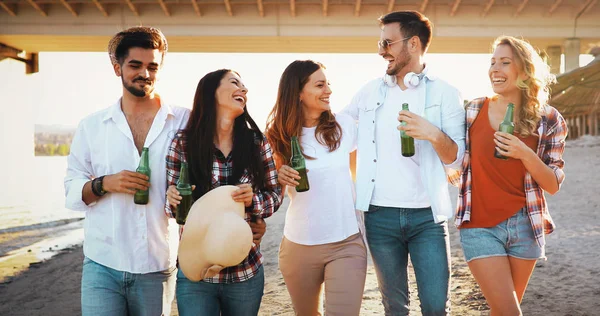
pixel 574 127
pixel 16 134
pixel 553 58
pixel 572 50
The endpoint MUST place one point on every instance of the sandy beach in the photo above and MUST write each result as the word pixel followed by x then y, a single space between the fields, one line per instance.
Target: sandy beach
pixel 568 283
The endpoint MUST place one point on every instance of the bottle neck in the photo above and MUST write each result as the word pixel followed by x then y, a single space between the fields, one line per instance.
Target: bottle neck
pixel 508 117
pixel 144 160
pixel 296 151
pixel 183 174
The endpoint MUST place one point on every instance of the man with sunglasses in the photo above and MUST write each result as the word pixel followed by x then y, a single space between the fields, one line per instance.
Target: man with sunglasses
pixel 405 199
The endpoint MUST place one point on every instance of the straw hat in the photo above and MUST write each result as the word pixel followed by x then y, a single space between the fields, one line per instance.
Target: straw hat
pixel 215 235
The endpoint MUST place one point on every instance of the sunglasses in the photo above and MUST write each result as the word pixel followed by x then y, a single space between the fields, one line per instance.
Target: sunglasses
pixel 386 43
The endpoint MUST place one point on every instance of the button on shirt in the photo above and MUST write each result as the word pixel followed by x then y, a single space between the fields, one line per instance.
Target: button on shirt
pixel 265 202
pixel 442 106
pixel 397 178
pixel 553 130
pixel 118 233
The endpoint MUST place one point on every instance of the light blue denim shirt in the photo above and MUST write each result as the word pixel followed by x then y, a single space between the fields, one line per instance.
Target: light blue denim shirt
pixel 443 108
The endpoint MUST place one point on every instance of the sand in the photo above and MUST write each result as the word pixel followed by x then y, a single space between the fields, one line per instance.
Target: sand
pixel 568 283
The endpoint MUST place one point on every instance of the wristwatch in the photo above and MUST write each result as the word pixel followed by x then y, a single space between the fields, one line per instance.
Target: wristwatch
pixel 97 187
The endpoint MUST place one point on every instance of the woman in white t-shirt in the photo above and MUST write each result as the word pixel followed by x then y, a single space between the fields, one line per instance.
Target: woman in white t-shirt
pixel 322 244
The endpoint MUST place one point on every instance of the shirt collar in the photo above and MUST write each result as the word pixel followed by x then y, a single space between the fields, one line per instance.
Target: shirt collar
pixel 391 80
pixel 427 74
pixel 115 109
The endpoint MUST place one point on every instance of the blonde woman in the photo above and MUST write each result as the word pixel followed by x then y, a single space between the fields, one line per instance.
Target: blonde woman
pixel 502 212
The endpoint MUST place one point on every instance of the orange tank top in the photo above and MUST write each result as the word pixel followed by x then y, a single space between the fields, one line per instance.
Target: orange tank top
pixel 497 186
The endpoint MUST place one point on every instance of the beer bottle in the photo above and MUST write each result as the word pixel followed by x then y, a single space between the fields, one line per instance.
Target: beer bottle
pixel 141 197
pixel 185 190
pixel 507 126
pixel 299 164
pixel 408 143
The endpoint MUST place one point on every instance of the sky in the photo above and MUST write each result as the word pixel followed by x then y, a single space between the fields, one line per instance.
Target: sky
pixel 70 86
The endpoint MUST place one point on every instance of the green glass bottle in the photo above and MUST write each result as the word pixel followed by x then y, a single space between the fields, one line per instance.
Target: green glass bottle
pixel 185 190
pixel 507 126
pixel 299 164
pixel 407 142
pixel 141 197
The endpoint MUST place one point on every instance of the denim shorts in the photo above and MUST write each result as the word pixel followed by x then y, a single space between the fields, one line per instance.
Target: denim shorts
pixel 512 237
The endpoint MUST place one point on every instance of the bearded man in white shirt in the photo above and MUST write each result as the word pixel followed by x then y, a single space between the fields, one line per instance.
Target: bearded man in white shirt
pixel 130 250
pixel 405 199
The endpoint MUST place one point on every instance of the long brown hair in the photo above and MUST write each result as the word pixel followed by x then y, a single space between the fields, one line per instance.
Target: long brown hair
pixel 287 116
pixel 535 89
pixel 200 134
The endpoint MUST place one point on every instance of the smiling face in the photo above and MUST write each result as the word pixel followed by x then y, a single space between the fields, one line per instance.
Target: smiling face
pixel 315 93
pixel 504 71
pixel 231 94
pixel 396 54
pixel 139 71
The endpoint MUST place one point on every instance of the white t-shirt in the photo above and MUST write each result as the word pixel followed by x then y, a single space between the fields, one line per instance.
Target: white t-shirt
pixel 398 178
pixel 325 213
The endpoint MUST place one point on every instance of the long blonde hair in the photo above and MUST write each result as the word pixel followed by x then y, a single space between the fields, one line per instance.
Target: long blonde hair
pixel 535 90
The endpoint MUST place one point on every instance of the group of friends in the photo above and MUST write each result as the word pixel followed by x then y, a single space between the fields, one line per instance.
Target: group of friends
pixel 363 192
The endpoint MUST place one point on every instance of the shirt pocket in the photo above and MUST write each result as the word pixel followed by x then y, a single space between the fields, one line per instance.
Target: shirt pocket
pixel 99 159
pixel 433 113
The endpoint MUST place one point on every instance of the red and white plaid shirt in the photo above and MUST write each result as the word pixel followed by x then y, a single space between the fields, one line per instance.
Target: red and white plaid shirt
pixel 265 202
pixel 553 132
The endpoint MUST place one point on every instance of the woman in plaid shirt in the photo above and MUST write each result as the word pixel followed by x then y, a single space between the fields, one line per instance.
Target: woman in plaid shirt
pixel 223 146
pixel 502 213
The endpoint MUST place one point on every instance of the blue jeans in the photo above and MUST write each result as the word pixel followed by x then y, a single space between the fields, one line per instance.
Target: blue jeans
pixel 106 291
pixel 393 234
pixel 214 299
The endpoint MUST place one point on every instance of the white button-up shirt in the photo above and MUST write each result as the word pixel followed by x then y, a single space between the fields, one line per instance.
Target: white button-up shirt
pixel 442 107
pixel 119 233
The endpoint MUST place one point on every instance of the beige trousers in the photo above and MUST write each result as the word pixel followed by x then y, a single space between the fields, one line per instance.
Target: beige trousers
pixel 341 267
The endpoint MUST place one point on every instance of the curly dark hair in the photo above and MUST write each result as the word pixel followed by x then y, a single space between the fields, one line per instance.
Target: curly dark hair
pixel 139 36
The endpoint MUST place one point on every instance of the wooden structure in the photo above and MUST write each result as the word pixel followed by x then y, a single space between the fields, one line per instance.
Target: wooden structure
pixel 566 27
pixel 577 96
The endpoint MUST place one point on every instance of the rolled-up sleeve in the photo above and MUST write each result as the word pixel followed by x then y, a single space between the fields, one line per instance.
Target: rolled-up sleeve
pixel 267 201
pixel 453 124
pixel 79 171
pixel 555 145
pixel 175 155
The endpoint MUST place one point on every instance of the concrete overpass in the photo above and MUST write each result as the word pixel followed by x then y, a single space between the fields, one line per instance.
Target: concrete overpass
pixel 325 26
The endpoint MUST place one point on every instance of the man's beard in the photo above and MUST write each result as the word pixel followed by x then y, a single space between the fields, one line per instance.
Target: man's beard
pixel 140 93
pixel 399 66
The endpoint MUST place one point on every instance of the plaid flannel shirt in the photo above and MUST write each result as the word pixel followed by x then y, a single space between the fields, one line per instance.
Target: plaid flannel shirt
pixel 553 132
pixel 265 202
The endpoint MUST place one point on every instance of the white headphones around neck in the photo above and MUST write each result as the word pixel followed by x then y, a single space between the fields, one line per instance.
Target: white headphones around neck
pixel 411 79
